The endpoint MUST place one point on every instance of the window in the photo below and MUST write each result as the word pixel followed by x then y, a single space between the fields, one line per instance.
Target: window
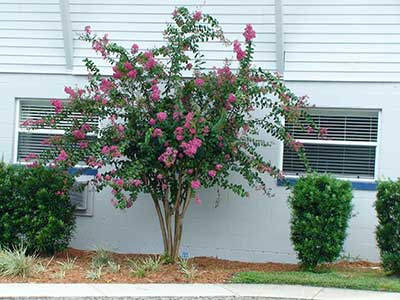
pixel 31 141
pixel 348 151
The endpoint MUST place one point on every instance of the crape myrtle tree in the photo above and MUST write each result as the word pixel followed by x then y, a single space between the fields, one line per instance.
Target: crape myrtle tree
pixel 168 134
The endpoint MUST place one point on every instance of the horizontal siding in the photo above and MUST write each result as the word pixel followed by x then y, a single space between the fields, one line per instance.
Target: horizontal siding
pixel 342 40
pixel 140 22
pixel 31 37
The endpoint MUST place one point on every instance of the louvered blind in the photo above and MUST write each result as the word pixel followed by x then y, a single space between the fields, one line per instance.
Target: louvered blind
pixel 39 109
pixel 348 151
pixel 31 141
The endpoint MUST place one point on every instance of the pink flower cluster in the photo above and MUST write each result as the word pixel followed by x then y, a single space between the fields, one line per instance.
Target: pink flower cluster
pixel 100 45
pixel 58 105
pixel 249 33
pixel 113 151
pixel 155 92
pixel 134 48
pixel 150 62
pixel 168 157
pixel 197 16
pixel 161 116
pixel 190 148
pixel 157 132
pixel 106 85
pixel 62 156
pixel 240 54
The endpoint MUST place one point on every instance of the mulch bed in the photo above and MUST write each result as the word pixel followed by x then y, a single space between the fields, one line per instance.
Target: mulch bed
pixel 211 270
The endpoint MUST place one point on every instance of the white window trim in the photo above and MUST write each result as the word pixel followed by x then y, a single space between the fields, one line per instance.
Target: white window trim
pixel 333 142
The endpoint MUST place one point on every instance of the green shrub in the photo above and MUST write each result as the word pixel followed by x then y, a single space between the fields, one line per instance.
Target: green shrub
pixel 35 208
pixel 388 230
pixel 320 210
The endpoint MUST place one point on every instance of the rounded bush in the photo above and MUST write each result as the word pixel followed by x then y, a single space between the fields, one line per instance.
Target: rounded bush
pixel 388 230
pixel 320 211
pixel 35 208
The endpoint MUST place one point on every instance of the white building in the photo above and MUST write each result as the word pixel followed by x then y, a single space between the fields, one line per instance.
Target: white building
pixel 344 54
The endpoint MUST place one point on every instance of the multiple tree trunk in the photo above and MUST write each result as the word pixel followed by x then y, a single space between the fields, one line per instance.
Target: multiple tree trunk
pixel 170 213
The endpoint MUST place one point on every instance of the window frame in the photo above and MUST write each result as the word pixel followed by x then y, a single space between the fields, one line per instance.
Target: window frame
pixel 335 142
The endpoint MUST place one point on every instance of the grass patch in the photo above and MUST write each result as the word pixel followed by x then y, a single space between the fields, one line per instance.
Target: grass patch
pixel 361 280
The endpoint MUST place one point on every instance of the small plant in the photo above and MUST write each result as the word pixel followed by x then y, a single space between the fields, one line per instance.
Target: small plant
pixel 320 211
pixel 94 273
pixel 101 258
pixel 141 267
pixel 59 275
pixel 67 265
pixel 16 262
pixel 114 267
pixel 40 268
pixel 387 232
pixel 188 269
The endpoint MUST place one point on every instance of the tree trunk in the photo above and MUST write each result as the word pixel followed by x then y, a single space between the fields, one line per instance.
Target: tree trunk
pixel 170 216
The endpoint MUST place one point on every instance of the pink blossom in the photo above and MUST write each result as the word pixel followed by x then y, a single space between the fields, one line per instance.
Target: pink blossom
pixel 231 98
pixel 160 176
pixel 136 182
pixel 168 157
pixel 79 135
pixel 60 193
pixel 179 137
pixel 205 130
pixel 191 147
pixel 105 150
pixel 128 66
pixel 189 66
pixel 188 119
pixel 178 130
pixel 199 82
pixel 106 85
pixel 190 171
pixel 155 92
pixel 58 105
pixel 323 132
pixel 62 156
pixel 152 122
pixel 151 62
pixel 176 115
pixel 240 54
pixel 119 181
pixel 212 173
pixel 157 132
pixel 197 199
pixel 197 16
pixel 88 29
pixel 31 156
pixel 162 116
pixel 86 127
pixel 83 145
pixel 218 167
pixel 310 130
pixel 70 91
pixel 132 74
pixel 195 184
pixel 249 33
pixel 134 48
pixel 117 73
pixel 107 177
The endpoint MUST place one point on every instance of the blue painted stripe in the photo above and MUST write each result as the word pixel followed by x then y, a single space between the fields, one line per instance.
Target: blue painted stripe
pixel 357 185
pixel 83 171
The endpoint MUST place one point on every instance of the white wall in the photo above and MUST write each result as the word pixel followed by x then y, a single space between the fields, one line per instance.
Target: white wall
pixel 251 229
